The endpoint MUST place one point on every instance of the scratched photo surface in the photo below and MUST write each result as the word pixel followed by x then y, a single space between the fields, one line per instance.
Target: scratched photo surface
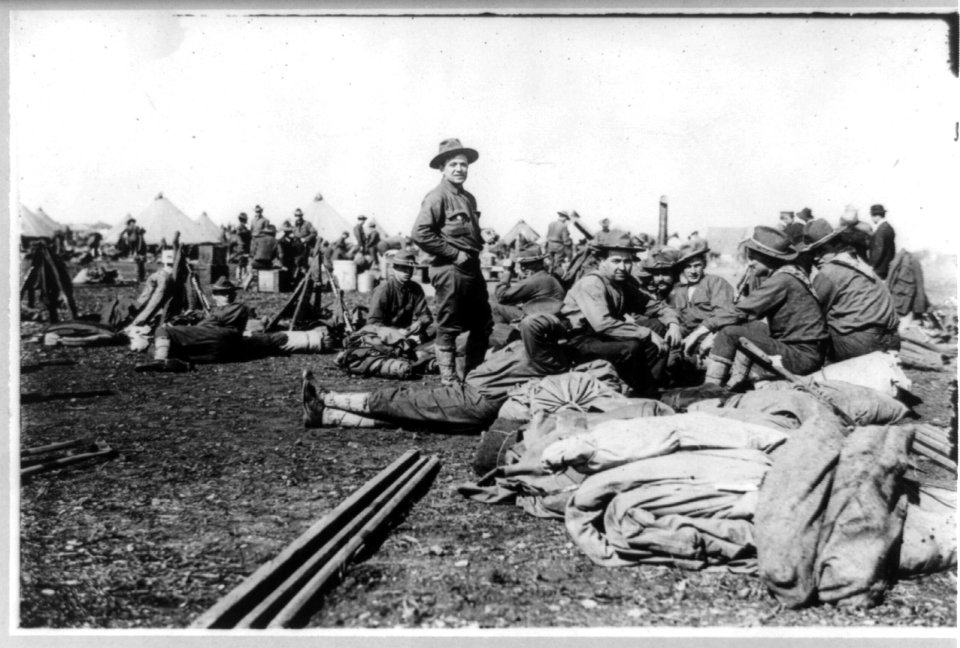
pixel 146 498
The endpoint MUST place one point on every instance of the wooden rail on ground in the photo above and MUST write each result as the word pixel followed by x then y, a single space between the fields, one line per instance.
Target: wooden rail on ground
pixel 286 591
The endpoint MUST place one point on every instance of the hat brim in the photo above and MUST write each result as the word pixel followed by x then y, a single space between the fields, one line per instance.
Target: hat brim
pixel 807 247
pixel 693 255
pixel 531 259
pixel 763 250
pixel 617 248
pixel 439 159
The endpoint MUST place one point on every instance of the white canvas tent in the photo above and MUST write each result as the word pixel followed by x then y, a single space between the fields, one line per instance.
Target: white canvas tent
pixel 44 216
pixel 34 226
pixel 162 219
pixel 329 223
pixel 207 229
pixel 521 227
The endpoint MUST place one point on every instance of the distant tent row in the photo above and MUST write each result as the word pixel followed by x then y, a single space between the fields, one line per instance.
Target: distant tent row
pixel 37 224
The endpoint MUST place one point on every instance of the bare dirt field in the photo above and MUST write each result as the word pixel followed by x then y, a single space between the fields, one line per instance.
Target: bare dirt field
pixel 216 474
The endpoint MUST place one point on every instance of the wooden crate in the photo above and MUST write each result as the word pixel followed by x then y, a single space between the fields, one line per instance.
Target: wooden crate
pixel 268 280
pixel 212 254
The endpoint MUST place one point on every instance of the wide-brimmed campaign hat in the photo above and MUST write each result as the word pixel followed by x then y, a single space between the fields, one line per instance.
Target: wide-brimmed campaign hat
pixel 877 210
pixel 406 258
pixel 242 217
pixel 297 212
pixel 269 228
pixel 568 214
pixel 531 254
pixel 664 258
pixel 258 209
pixel 818 232
pixel 449 148
pixel 287 226
pixel 692 249
pixel 805 214
pixel 771 243
pixel 619 242
pixel 223 286
pixel 361 217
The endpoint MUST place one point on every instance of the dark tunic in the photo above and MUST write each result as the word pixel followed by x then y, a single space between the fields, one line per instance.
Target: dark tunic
pixel 709 294
pixel 540 285
pixel 218 337
pixel 263 251
pixel 858 307
pixel 882 249
pixel 447 224
pixel 398 305
pixel 245 237
pixel 796 328
pixel 906 285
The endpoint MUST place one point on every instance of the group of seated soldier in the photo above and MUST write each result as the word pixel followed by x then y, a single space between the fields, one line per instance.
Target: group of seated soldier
pixel 641 318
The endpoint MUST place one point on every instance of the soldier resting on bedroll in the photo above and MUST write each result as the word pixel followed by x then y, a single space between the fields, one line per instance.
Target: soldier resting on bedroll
pixel 217 338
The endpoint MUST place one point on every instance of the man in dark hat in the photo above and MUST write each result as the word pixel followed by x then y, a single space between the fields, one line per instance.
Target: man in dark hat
pixel 791 227
pixel 855 301
pixel 244 238
pixel 805 215
pixel 536 286
pixel 399 302
pixel 360 234
pixel 306 233
pixel 448 228
pixel 599 321
pixel 559 243
pixel 795 328
pixel 883 242
pixel 698 295
pixel 217 338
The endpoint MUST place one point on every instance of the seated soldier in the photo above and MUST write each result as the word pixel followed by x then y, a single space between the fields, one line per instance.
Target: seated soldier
pixel 855 301
pixel 698 295
pixel 462 407
pixel 600 319
pixel 535 285
pixel 217 338
pixel 265 249
pixel 398 307
pixel 157 290
pixel 795 329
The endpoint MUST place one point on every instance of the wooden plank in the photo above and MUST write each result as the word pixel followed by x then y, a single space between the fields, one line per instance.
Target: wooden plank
pixel 243 598
pixel 263 613
pixel 105 452
pixel 302 606
pixel 63 445
pixel 935 456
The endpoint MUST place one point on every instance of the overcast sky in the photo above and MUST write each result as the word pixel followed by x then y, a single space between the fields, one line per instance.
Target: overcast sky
pixel 732 119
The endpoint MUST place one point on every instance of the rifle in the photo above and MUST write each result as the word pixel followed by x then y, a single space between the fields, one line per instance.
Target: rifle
pixel 813 389
pixel 745 280
pixel 338 296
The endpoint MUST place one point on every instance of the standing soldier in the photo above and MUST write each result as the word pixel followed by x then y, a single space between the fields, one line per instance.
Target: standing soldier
pixel 307 235
pixel 133 242
pixel 290 251
pixel 360 233
pixel 448 227
pixel 559 245
pixel 883 242
pixel 244 240
pixel 259 222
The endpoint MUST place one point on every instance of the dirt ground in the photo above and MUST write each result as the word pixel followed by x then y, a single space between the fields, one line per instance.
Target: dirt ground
pixel 216 474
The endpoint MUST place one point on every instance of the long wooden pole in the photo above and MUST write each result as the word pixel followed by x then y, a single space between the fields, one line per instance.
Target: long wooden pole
pixel 662 234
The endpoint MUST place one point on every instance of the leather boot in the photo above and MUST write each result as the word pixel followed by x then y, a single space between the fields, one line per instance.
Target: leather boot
pixel 312 398
pixel 717 370
pixel 447 364
pixel 355 402
pixel 339 418
pixel 475 350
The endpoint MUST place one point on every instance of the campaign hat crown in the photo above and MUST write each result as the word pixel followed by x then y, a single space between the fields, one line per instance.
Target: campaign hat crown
pixel 619 241
pixel 693 249
pixel 877 210
pixel 449 148
pixel 818 232
pixel 530 254
pixel 406 258
pixel 665 258
pixel 772 243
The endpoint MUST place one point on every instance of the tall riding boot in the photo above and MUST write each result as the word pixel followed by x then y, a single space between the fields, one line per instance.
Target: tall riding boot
pixel 447 364
pixel 717 370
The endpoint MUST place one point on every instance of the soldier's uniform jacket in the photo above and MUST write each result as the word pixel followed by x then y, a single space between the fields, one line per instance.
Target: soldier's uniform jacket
pixel 306 232
pixel 698 302
pixel 596 304
pixel 854 297
pixel 557 233
pixel 398 304
pixel 448 222
pixel 539 285
pixel 787 300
